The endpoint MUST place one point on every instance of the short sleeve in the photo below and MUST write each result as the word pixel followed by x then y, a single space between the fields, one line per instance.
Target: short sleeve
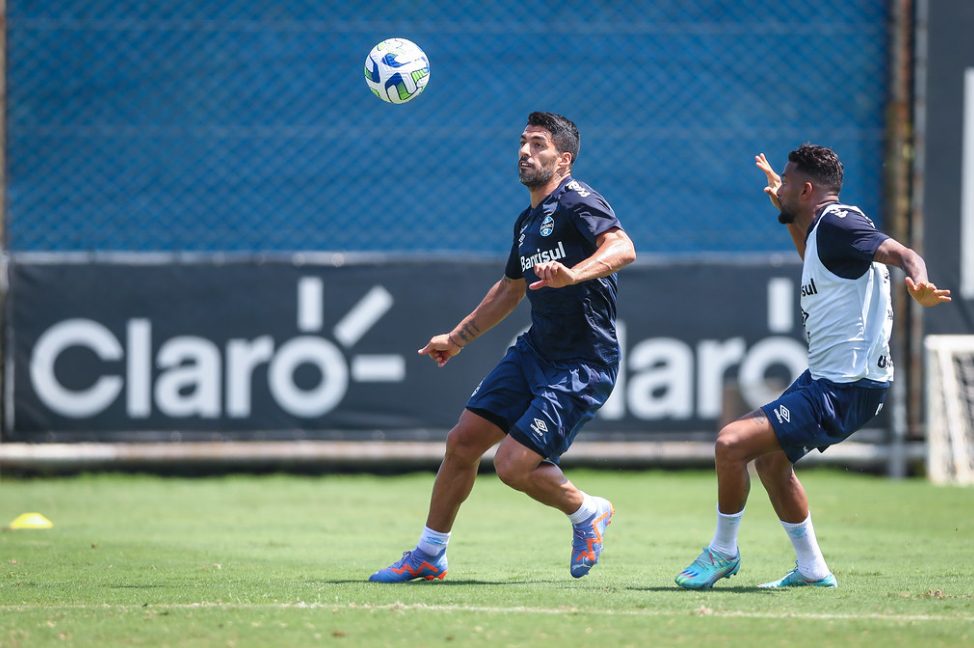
pixel 513 269
pixel 847 242
pixel 594 216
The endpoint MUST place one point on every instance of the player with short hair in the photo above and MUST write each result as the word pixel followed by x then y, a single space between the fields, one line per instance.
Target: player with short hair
pixel 848 317
pixel 567 247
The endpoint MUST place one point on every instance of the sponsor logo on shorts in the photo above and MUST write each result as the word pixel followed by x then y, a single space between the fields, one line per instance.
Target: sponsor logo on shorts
pixel 784 416
pixel 539 427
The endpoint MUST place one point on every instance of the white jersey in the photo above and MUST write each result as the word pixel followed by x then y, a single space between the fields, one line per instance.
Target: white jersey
pixel 845 298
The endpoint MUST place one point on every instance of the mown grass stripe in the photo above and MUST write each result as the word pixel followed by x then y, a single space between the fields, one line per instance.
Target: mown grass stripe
pixel 702 611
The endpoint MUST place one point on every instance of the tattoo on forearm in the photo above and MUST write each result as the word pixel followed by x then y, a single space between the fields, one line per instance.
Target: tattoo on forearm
pixel 469 331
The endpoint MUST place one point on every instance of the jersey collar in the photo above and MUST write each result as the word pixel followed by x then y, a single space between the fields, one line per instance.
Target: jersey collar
pixel 818 216
pixel 553 197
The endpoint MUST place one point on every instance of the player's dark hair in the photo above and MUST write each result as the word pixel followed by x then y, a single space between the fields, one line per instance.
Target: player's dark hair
pixel 819 163
pixel 564 133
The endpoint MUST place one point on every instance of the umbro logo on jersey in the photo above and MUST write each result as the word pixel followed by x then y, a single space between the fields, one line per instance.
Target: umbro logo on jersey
pixel 574 186
pixel 784 416
pixel 538 427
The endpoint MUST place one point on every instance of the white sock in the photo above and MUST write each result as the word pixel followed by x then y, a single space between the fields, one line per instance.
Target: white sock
pixel 585 511
pixel 725 537
pixel 433 542
pixel 811 563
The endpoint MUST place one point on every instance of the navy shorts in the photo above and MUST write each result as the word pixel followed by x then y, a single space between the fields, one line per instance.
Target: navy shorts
pixel 818 413
pixel 542 404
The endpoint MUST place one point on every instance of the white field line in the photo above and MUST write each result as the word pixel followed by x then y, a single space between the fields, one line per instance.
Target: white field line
pixel 701 611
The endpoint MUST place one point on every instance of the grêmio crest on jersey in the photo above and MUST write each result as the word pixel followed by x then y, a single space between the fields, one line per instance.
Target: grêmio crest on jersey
pixel 575 321
pixel 564 227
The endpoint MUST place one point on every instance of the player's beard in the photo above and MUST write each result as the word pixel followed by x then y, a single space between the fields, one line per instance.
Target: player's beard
pixel 786 217
pixel 532 177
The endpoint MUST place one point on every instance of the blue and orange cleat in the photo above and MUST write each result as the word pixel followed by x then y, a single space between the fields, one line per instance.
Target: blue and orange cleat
pixel 709 567
pixel 413 564
pixel 587 539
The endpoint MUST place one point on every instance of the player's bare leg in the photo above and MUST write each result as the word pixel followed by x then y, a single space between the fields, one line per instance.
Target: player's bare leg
pixel 466 443
pixel 525 470
pixel 738 443
pixel 786 493
pixel 788 498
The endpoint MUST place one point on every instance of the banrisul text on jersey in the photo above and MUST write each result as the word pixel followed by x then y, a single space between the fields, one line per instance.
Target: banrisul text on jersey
pixel 574 322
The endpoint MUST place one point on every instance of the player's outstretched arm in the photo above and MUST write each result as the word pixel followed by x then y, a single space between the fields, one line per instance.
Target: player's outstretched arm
pixel 615 251
pixel 499 302
pixel 774 180
pixel 774 183
pixel 925 293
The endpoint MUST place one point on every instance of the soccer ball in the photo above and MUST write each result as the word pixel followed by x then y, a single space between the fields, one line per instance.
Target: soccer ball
pixel 396 70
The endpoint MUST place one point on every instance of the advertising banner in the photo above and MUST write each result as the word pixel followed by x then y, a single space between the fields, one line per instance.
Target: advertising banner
pixel 945 71
pixel 327 349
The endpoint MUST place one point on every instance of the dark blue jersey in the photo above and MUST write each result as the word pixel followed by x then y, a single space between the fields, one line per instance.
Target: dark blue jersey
pixel 576 322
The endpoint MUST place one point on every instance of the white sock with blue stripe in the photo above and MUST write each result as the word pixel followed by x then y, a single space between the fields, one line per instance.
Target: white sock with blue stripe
pixel 725 536
pixel 588 508
pixel 811 562
pixel 433 542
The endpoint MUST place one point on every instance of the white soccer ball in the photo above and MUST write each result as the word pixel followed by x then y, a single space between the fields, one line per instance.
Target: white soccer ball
pixel 396 70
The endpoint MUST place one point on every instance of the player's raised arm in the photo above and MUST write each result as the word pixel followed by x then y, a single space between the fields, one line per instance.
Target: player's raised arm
pixel 797 196
pixel 499 302
pixel 774 180
pixel 893 253
pixel 615 251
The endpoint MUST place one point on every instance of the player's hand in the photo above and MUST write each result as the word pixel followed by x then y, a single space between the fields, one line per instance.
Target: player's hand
pixel 552 274
pixel 774 180
pixel 926 294
pixel 440 348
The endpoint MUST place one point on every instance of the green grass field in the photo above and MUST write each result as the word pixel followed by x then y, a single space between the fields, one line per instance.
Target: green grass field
pixel 283 561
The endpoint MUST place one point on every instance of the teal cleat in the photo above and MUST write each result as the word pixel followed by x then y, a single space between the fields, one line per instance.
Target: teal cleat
pixel 587 539
pixel 709 567
pixel 794 578
pixel 413 564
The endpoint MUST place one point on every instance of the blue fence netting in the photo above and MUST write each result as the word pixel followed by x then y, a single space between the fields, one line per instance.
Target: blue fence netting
pixel 246 126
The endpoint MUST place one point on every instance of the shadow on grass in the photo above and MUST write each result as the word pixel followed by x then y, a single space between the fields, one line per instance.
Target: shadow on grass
pixel 740 589
pixel 442 583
